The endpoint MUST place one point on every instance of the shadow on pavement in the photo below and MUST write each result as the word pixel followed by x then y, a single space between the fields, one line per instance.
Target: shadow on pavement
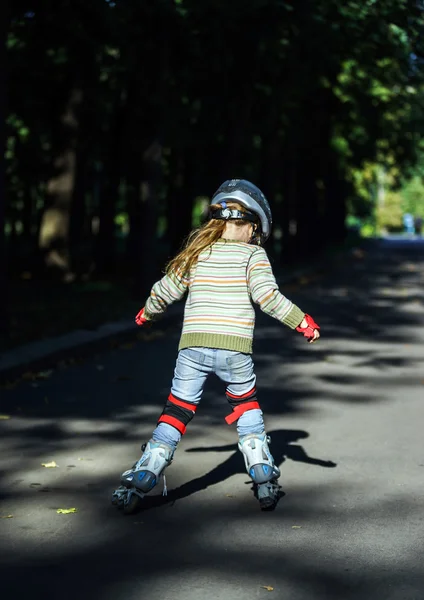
pixel 281 448
pixel 313 546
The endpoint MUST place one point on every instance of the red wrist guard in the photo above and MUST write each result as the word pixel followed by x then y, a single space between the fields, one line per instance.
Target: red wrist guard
pixel 308 331
pixel 140 319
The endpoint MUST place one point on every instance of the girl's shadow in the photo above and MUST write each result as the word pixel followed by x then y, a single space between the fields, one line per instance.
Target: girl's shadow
pixel 281 448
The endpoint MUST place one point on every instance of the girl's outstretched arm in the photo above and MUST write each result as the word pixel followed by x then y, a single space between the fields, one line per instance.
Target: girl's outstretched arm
pixel 167 290
pixel 264 291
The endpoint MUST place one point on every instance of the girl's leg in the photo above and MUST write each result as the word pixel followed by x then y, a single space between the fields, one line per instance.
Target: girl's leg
pixel 190 375
pixel 237 370
pixel 191 372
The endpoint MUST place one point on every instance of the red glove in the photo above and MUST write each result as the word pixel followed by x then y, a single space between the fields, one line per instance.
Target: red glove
pixel 140 319
pixel 308 331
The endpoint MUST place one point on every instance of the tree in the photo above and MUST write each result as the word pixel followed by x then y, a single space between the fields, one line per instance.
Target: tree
pixel 4 322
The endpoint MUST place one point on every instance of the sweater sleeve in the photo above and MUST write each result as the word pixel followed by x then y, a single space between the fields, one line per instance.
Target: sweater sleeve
pixel 167 290
pixel 264 291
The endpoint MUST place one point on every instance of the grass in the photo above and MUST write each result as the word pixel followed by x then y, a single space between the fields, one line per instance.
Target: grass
pixel 39 310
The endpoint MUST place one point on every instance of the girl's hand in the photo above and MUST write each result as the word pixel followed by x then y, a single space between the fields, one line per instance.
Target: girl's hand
pixel 310 329
pixel 315 337
pixel 140 319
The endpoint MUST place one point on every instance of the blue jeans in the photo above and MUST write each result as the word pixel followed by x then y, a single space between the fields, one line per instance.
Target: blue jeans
pixel 191 371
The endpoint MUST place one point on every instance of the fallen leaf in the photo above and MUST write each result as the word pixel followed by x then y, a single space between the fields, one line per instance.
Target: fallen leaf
pixel 229 496
pixel 66 511
pixel 49 465
pixel 31 376
pixel 267 587
pixel 4 417
pixel 7 517
pixel 296 526
pixel 44 374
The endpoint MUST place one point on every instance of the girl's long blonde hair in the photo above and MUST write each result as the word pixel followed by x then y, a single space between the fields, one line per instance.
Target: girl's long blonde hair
pixel 199 240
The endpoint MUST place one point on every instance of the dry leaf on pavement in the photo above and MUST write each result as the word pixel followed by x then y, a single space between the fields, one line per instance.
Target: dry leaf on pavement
pixel 268 588
pixel 66 511
pixel 50 465
pixel 7 517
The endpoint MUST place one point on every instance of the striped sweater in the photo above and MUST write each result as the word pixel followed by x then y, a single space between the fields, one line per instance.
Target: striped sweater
pixel 219 311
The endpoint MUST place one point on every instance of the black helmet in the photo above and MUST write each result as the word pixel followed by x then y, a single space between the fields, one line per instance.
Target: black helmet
pixel 248 195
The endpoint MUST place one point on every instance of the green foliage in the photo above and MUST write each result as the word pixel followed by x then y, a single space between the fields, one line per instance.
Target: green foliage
pixel 389 214
pixel 291 93
pixel 412 197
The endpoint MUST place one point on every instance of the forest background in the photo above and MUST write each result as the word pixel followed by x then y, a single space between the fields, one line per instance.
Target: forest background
pixel 121 118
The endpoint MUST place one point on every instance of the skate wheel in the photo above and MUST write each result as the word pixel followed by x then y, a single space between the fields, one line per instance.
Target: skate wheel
pixel 132 505
pixel 267 503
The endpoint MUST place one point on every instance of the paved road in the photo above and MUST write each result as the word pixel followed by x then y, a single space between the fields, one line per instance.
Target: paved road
pixel 346 419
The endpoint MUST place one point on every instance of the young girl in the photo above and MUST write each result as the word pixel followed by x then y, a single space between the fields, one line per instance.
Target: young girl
pixel 222 268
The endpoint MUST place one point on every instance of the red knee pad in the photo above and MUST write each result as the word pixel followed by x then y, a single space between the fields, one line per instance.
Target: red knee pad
pixel 177 413
pixel 239 410
pixel 240 404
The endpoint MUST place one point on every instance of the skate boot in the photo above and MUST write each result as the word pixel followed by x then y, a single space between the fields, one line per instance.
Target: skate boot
pixel 261 468
pixel 143 477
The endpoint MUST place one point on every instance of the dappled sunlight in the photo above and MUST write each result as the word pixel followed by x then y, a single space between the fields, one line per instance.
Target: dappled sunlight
pixel 226 544
pixel 344 526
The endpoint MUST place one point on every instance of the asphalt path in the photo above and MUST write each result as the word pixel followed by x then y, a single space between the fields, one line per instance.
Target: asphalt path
pixel 346 419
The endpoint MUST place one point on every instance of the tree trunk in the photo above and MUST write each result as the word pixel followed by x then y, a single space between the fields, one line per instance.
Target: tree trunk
pixel 270 182
pixel 4 320
pixel 110 178
pixel 334 225
pixel 306 209
pixel 143 214
pixel 236 129
pixel 180 202
pixel 77 225
pixel 54 229
pixel 289 212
